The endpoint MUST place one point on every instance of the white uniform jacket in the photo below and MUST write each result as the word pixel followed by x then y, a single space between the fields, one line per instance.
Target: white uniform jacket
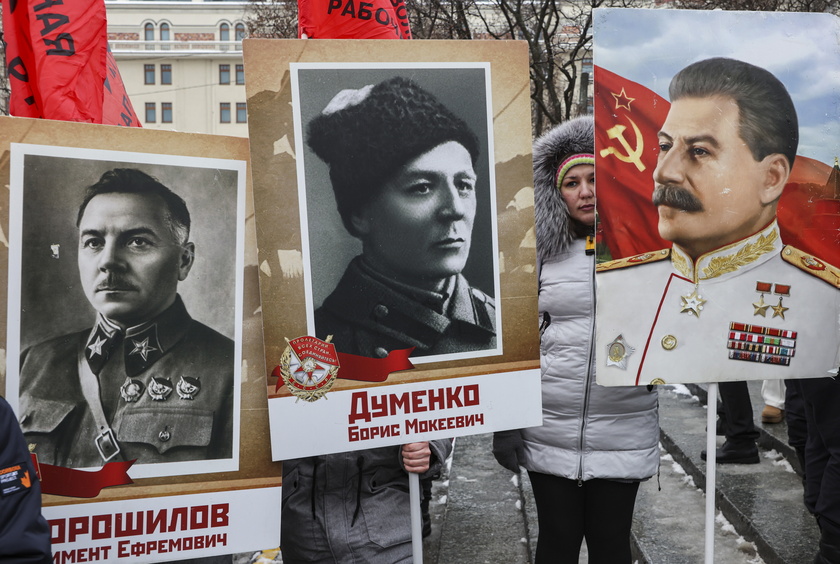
pixel 754 309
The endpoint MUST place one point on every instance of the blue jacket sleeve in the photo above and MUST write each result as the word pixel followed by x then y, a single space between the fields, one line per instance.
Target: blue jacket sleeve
pixel 24 533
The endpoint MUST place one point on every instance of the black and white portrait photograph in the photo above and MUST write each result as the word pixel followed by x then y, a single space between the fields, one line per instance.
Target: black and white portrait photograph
pixel 398 208
pixel 125 308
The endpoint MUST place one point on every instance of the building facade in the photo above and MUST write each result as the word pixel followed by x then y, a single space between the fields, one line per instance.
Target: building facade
pixel 181 63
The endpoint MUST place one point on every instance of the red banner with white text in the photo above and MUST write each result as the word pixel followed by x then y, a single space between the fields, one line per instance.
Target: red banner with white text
pixel 59 65
pixel 350 19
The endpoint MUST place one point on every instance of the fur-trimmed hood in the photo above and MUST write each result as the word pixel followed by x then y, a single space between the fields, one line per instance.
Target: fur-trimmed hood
pixel 553 225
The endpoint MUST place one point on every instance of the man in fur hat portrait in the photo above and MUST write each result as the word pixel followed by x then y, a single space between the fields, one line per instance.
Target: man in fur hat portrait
pixel 403 172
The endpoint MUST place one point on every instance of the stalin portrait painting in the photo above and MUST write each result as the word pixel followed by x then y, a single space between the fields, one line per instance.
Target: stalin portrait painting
pixel 143 380
pixel 729 300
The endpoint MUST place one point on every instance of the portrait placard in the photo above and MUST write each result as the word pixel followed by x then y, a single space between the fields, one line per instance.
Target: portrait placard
pixel 718 203
pixel 395 232
pixel 133 322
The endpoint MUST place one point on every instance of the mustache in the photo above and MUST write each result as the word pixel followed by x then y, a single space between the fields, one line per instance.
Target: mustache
pixel 675 196
pixel 114 282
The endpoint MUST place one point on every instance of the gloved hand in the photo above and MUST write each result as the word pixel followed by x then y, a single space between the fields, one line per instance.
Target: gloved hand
pixel 509 449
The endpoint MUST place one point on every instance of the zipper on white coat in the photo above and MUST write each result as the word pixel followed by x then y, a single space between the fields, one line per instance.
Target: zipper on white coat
pixel 587 381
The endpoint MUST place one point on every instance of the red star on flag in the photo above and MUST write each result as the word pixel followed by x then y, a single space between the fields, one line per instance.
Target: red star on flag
pixel 622 100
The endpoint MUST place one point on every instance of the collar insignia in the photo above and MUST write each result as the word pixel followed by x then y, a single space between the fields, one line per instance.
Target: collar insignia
pixel 99 347
pixel 143 348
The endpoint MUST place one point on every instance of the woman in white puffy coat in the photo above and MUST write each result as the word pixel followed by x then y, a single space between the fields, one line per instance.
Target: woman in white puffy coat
pixel 596 444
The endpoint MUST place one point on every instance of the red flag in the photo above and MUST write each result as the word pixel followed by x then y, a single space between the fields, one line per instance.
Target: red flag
pixel 627 119
pixel 809 210
pixel 58 62
pixel 351 19
pixel 116 106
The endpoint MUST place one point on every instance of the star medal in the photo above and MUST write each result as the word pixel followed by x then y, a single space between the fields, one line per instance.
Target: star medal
pixel 309 367
pixel 783 291
pixel 779 310
pixel 188 387
pixel 131 390
pixel 618 352
pixel 760 308
pixel 692 303
pixel 160 388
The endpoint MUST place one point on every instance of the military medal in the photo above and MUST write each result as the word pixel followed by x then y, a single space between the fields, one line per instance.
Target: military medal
pixel 692 303
pixel 188 387
pixel 768 345
pixel 309 367
pixel 618 351
pixel 782 291
pixel 131 390
pixel 760 306
pixel 159 389
pixel 779 310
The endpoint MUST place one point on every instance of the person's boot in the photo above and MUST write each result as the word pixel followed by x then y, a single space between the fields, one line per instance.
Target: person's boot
pixel 730 453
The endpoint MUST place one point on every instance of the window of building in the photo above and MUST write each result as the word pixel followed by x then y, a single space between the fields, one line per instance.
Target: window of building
pixel 166 112
pixel 224 74
pixel 148 74
pixel 240 31
pixel 240 74
pixel 164 35
pixel 224 32
pixel 151 114
pixel 586 65
pixel 224 112
pixel 241 113
pixel 166 74
pixel 149 35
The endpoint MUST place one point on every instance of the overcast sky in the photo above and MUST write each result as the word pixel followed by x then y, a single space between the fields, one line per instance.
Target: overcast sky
pixel 801 49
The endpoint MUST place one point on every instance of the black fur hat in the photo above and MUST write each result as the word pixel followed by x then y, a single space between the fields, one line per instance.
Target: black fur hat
pixel 366 135
pixel 553 224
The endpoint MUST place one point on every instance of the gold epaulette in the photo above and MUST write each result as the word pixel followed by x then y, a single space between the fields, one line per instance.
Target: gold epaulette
pixel 812 265
pixel 643 258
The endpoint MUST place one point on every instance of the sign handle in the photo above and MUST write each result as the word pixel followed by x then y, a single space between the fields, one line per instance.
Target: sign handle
pixel 711 465
pixel 416 518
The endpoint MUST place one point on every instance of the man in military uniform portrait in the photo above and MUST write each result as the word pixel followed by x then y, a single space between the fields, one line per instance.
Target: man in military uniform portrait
pixel 146 381
pixel 406 176
pixel 729 301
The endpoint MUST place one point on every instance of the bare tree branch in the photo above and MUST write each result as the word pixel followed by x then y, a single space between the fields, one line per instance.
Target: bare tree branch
pixel 558 34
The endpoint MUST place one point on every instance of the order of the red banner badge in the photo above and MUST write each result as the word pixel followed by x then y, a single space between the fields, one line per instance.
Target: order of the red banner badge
pixel 309 367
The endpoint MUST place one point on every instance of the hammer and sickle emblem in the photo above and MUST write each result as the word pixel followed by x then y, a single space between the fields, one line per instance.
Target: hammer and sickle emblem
pixel 633 155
